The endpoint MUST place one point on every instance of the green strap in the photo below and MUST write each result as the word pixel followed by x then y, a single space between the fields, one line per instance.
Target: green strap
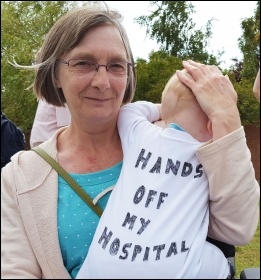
pixel 96 208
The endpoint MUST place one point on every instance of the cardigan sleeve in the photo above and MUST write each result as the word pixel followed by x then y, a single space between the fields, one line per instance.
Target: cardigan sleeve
pixel 29 238
pixel 17 256
pixel 234 190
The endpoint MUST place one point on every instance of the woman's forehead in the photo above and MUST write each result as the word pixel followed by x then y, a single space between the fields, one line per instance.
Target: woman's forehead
pixel 101 39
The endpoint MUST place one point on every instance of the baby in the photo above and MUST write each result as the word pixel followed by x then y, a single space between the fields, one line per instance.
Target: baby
pixel 156 221
pixel 180 106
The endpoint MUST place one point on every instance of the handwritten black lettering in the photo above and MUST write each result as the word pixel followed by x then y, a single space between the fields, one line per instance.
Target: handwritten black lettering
pixel 157 166
pixel 114 248
pixel 146 254
pixel 150 197
pixel 130 220
pixel 139 194
pixel 160 201
pixel 172 167
pixel 187 169
pixel 127 245
pixel 143 159
pixel 143 225
pixel 105 237
pixel 158 248
pixel 183 247
pixel 199 171
pixel 137 250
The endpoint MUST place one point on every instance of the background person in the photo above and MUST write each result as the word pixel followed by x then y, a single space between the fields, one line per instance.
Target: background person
pixel 86 62
pixel 256 87
pixel 12 139
pixel 48 118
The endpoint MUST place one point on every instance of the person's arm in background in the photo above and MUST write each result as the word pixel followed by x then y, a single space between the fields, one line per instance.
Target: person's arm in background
pixel 226 159
pixel 48 119
pixel 256 87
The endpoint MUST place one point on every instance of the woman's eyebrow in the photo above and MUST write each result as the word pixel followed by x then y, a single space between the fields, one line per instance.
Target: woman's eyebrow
pixel 82 56
pixel 88 56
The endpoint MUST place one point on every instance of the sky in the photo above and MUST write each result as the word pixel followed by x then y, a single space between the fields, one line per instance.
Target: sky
pixel 226 27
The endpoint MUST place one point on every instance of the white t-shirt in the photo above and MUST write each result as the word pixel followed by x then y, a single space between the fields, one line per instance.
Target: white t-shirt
pixel 156 221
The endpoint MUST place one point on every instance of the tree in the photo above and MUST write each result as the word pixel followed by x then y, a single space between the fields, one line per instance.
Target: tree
pixel 152 76
pixel 179 40
pixel 237 69
pixel 170 24
pixel 25 23
pixel 243 73
pixel 249 44
pixel 23 26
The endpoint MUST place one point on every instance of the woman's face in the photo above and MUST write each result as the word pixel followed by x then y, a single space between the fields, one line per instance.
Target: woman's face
pixel 96 96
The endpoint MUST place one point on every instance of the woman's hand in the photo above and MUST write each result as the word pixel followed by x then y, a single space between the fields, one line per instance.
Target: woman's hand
pixel 215 94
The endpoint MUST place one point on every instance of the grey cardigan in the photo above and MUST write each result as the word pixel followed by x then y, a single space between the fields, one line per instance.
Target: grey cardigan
pixel 29 188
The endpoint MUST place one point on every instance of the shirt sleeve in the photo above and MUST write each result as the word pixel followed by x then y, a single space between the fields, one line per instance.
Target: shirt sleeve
pixel 133 114
pixel 234 190
pixel 48 119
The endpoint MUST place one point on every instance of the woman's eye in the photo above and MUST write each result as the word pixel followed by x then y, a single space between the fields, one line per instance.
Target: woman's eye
pixel 116 67
pixel 83 63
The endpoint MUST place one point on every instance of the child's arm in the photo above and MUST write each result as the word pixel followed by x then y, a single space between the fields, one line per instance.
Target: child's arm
pixel 138 111
pixel 133 114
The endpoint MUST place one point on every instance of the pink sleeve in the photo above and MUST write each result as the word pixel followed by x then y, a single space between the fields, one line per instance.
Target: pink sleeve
pixel 63 116
pixel 48 119
pixel 233 189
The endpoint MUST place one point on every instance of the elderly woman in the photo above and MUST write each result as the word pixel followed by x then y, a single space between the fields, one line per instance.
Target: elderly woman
pixel 86 62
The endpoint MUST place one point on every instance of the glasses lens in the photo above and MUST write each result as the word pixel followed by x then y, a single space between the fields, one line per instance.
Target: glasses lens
pixel 118 69
pixel 82 66
pixel 115 69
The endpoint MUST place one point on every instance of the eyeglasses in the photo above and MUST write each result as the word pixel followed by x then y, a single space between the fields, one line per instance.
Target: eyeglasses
pixel 115 69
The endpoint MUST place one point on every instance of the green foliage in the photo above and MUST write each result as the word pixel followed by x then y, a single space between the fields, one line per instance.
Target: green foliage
pixel 25 23
pixel 249 44
pixel 23 26
pixel 171 25
pixel 248 105
pixel 243 73
pixel 153 75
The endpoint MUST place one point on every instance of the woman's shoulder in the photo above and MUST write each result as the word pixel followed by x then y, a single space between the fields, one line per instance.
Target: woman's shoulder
pixel 27 171
pixel 26 166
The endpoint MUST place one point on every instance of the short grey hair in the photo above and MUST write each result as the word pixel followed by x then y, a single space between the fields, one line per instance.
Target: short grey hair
pixel 65 35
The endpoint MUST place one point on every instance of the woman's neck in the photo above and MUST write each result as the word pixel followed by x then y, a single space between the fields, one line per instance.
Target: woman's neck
pixel 85 152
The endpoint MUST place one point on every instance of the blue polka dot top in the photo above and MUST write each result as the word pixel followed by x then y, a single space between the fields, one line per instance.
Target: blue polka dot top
pixel 77 222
